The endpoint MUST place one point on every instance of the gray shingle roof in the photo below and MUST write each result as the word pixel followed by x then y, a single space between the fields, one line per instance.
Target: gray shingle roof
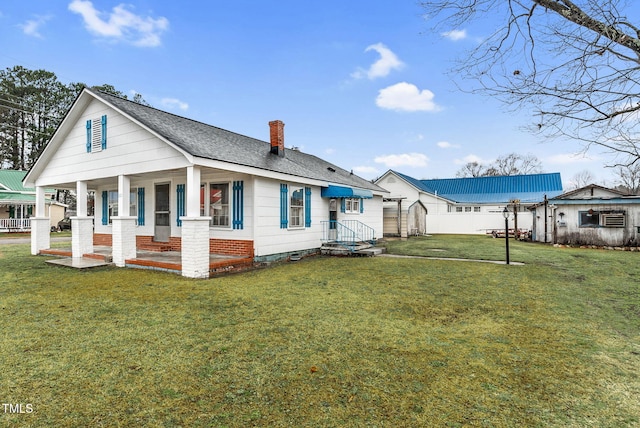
pixel 209 142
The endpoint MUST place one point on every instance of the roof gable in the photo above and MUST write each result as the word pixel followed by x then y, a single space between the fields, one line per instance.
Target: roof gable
pixel 591 191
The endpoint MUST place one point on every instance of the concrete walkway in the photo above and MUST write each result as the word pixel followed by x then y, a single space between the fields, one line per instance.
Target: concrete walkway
pixel 497 262
pixel 9 241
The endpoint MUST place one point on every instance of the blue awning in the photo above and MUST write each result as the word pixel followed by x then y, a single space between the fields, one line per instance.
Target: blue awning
pixel 345 192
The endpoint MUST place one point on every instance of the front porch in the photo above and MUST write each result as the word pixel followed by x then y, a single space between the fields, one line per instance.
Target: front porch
pixel 168 261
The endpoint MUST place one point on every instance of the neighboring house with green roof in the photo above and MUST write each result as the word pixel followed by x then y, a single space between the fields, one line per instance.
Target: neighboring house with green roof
pixel 165 180
pixel 17 202
pixel 462 205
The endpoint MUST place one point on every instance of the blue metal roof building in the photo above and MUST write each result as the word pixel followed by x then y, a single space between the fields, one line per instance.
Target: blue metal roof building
pixel 530 188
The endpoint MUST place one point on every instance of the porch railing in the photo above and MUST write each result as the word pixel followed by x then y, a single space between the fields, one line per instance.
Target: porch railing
pixel 364 233
pixel 348 233
pixel 15 224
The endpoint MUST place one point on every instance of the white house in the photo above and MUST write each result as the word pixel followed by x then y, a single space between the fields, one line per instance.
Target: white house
pixel 17 203
pixel 591 215
pixel 169 182
pixel 462 205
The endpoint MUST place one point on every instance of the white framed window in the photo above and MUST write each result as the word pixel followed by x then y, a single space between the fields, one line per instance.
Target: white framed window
pixel 219 204
pixel 467 209
pixel 296 208
pixel 476 209
pixel 352 206
pixel 112 201
pixel 458 209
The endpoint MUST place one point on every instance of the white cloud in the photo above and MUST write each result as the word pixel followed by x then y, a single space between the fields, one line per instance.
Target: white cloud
pixel 121 25
pixel 32 26
pixel 569 158
pixel 405 96
pixel 172 103
pixel 471 158
pixel 382 67
pixel 404 159
pixel 365 170
pixel 330 151
pixel 447 145
pixel 455 35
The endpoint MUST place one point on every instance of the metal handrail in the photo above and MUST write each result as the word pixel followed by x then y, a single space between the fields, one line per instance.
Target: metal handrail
pixel 347 235
pixel 364 233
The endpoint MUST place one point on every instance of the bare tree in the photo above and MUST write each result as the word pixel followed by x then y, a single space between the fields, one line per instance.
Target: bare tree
pixel 471 169
pixel 581 179
pixel 514 164
pixel 629 178
pixel 576 64
pixel 511 164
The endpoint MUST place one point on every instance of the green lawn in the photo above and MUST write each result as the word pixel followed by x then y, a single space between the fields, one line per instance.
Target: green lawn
pixel 329 342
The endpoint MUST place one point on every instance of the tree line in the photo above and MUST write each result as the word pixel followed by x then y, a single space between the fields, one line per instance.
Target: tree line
pixel 32 105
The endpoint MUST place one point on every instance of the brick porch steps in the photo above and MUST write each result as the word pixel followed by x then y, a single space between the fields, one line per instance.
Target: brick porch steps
pixel 217 267
pixel 67 253
pixel 159 247
pixel 55 252
pixel 104 257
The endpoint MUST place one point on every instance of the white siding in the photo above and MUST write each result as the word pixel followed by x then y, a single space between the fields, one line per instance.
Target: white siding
pixel 439 218
pixel 130 150
pixel 371 215
pixel 470 223
pixel 219 232
pixel 207 177
pixel 269 237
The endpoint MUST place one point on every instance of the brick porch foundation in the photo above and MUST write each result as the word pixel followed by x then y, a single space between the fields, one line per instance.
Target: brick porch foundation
pixel 232 247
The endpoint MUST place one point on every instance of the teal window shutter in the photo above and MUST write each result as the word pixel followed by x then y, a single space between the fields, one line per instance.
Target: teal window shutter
pixel 284 195
pixel 12 212
pixel 105 207
pixel 238 204
pixel 181 203
pixel 361 205
pixel 307 207
pixel 140 206
pixel 88 136
pixel 103 140
pixel 343 205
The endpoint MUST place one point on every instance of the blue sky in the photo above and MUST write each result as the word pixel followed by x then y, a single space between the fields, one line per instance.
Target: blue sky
pixel 362 84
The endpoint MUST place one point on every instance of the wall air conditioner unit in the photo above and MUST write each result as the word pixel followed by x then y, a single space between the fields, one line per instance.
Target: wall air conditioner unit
pixel 613 220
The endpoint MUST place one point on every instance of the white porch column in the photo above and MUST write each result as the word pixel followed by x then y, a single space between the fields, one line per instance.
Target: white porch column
pixel 81 225
pixel 81 198
pixel 123 231
pixel 195 247
pixel 195 230
pixel 40 208
pixel 40 225
pixel 193 191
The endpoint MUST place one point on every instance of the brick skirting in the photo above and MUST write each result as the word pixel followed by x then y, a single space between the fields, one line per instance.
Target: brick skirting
pixel 232 247
pixel 102 239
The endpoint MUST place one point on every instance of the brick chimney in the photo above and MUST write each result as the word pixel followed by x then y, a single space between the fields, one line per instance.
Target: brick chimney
pixel 276 134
